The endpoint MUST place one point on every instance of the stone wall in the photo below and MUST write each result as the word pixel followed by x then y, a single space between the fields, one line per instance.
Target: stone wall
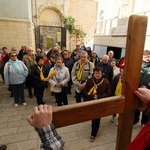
pixel 15 33
pixel 84 12
pixel 16 25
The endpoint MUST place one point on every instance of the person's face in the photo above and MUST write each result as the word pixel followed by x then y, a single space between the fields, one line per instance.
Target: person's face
pixel 113 63
pixel 110 54
pixel 121 71
pixel 13 57
pixel 51 59
pixel 63 49
pixel 29 51
pixel 59 63
pixel 66 56
pixel 83 58
pixel 14 50
pixel 105 60
pixel 82 43
pixel 5 50
pixel 69 54
pixel 146 58
pixel 75 52
pixel 24 48
pixel 40 62
pixel 94 55
pixel 78 53
pixel 78 47
pixel 97 75
pixel 42 54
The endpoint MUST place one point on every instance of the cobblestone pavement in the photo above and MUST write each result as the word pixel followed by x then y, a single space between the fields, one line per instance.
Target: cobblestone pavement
pixel 17 134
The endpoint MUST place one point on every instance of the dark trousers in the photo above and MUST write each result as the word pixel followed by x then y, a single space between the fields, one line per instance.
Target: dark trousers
pixel 136 116
pixel 69 86
pixel 38 91
pixel 29 83
pixel 79 96
pixel 2 73
pixel 145 118
pixel 95 126
pixel 18 92
pixel 61 98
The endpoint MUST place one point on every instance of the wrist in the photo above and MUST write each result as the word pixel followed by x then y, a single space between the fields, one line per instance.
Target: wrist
pixel 46 133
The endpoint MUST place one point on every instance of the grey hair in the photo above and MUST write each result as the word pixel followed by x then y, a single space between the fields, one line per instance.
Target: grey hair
pixel 83 53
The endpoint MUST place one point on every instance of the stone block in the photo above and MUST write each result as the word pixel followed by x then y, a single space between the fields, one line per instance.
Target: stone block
pixel 24 145
pixel 15 118
pixel 27 128
pixel 33 135
pixel 3 125
pixel 17 123
pixel 4 132
pixel 3 119
pixel 14 138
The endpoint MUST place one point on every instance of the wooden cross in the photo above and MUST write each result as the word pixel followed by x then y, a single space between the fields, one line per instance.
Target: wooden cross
pixel 125 104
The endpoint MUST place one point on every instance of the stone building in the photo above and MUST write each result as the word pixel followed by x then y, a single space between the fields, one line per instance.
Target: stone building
pixel 110 30
pixel 38 23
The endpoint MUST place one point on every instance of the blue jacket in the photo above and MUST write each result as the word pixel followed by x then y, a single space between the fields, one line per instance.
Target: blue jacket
pixel 15 72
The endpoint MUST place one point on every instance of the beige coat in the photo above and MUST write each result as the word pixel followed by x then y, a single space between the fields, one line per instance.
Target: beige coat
pixel 87 73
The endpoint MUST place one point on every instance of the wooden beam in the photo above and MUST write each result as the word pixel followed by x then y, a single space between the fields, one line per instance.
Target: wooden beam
pixel 133 59
pixel 80 112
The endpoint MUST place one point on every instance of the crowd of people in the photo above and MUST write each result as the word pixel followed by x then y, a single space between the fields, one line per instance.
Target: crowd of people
pixel 60 69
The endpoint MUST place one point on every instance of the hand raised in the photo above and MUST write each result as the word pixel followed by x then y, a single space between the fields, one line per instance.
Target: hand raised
pixel 143 94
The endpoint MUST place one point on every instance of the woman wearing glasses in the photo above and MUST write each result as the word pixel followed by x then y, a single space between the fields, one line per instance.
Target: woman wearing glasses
pixel 15 73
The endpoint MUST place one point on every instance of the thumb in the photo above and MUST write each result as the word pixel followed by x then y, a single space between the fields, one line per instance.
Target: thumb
pixel 30 119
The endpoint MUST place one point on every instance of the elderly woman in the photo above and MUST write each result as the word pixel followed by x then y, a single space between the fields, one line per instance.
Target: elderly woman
pixel 59 82
pixel 96 87
pixel 116 70
pixel 15 73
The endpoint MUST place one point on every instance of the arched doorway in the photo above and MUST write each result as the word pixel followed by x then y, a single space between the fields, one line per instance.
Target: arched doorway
pixel 50 29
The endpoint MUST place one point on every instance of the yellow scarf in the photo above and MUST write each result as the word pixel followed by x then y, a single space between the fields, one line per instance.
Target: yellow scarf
pixel 29 57
pixel 53 73
pixel 118 90
pixel 94 62
pixel 80 72
pixel 93 90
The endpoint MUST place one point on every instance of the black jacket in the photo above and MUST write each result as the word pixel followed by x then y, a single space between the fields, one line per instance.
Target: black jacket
pixel 35 72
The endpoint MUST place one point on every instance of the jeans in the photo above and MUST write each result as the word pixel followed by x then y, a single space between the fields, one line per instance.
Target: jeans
pixel 18 92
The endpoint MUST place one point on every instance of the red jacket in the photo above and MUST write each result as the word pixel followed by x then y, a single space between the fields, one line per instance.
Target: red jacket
pixel 142 141
pixel 2 57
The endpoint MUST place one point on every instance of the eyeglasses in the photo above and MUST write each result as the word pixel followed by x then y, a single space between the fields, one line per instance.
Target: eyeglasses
pixel 13 55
